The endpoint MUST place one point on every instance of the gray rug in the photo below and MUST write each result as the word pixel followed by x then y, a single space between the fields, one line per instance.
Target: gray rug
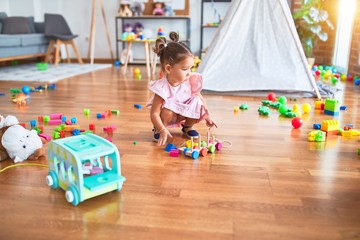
pixel 30 72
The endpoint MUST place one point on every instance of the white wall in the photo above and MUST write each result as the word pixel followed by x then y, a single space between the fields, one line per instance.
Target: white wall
pixel 78 15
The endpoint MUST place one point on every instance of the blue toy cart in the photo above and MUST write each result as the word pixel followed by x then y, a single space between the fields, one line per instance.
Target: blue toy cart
pixel 84 166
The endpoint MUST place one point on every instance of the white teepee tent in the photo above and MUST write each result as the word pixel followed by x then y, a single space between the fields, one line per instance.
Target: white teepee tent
pixel 257 49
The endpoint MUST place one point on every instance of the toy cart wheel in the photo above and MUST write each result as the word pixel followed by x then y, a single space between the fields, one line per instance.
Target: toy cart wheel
pixel 72 195
pixel 52 180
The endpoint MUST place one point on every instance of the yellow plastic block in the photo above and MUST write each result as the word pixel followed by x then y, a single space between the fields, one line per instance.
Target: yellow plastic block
pixel 318 104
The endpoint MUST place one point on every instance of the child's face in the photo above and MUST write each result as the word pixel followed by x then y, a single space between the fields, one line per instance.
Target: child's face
pixel 180 71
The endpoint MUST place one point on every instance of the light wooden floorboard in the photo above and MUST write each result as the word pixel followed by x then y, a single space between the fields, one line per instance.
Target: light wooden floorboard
pixel 270 184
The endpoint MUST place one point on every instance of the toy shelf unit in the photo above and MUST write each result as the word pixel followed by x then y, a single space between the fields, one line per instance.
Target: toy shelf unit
pixel 212 12
pixel 151 24
pixel 84 166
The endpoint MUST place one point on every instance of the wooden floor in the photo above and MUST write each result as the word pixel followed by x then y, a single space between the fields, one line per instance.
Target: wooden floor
pixel 270 184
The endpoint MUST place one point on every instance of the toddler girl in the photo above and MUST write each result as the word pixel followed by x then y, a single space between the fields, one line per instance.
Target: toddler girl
pixel 177 98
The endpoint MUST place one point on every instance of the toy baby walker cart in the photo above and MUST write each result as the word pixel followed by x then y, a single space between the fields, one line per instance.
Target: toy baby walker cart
pixel 84 166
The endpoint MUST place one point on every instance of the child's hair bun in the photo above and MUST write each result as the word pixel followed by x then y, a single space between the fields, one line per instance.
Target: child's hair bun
pixel 159 45
pixel 174 36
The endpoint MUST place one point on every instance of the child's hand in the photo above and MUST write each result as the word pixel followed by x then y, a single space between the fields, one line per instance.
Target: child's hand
pixel 210 123
pixel 164 136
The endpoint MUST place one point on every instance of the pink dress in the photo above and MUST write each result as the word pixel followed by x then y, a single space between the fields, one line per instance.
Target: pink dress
pixel 182 99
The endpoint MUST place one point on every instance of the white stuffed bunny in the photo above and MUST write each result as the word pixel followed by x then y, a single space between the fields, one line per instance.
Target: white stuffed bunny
pixel 17 142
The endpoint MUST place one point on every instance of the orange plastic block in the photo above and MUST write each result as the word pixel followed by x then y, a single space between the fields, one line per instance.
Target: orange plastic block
pixel 69 128
pixel 330 125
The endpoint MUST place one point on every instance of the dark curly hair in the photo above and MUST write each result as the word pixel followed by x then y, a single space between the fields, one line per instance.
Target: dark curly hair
pixel 171 52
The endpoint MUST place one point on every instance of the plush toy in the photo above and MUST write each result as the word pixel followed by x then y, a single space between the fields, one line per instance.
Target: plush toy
pixel 18 143
pixel 124 10
pixel 168 11
pixel 137 8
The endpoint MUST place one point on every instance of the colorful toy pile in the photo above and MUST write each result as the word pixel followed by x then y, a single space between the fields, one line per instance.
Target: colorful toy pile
pixel 195 149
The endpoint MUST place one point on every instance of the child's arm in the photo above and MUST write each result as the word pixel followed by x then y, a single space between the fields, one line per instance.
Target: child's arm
pixel 155 112
pixel 209 121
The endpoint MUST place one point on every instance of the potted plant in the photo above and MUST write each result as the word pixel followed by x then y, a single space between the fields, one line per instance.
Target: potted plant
pixel 310 20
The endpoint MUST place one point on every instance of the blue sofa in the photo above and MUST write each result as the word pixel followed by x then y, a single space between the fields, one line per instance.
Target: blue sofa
pixel 21 37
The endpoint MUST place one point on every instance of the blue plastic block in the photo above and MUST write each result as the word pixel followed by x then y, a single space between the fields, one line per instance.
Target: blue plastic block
pixel 317 125
pixel 73 120
pixel 343 107
pixel 169 147
pixel 33 123
pixel 331 113
pixel 138 106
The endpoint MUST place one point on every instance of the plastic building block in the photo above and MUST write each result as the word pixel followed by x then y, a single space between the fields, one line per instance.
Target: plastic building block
pixel 56 135
pixel 2 94
pixel 55 122
pixel 244 106
pixel 87 112
pixel 318 105
pixel 73 120
pixel 317 126
pixel 69 128
pixel 114 111
pixel 236 109
pixel 32 123
pixel 330 127
pixel 170 147
pixel 263 110
pixel 350 133
pixel 91 126
pixel 46 119
pixel 45 136
pixel 66 158
pixel 332 107
pixel 317 136
pixel 343 108
pixel 138 106
pixel 75 132
pixel 55 116
pixel 41 129
pixel 63 119
pixel 174 152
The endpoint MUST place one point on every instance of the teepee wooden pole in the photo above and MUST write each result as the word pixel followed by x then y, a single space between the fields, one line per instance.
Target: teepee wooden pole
pixel 92 31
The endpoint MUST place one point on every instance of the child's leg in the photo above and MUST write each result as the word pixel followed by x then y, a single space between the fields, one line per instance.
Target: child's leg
pixel 166 116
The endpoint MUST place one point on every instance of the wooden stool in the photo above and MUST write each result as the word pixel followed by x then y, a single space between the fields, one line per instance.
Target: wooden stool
pixel 150 63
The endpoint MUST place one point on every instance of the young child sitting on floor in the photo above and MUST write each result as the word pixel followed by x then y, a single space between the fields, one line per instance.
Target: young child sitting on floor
pixel 177 98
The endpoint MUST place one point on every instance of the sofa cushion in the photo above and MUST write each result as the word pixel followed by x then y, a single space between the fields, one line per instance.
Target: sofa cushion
pixel 15 25
pixel 8 40
pixel 40 27
pixel 33 39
